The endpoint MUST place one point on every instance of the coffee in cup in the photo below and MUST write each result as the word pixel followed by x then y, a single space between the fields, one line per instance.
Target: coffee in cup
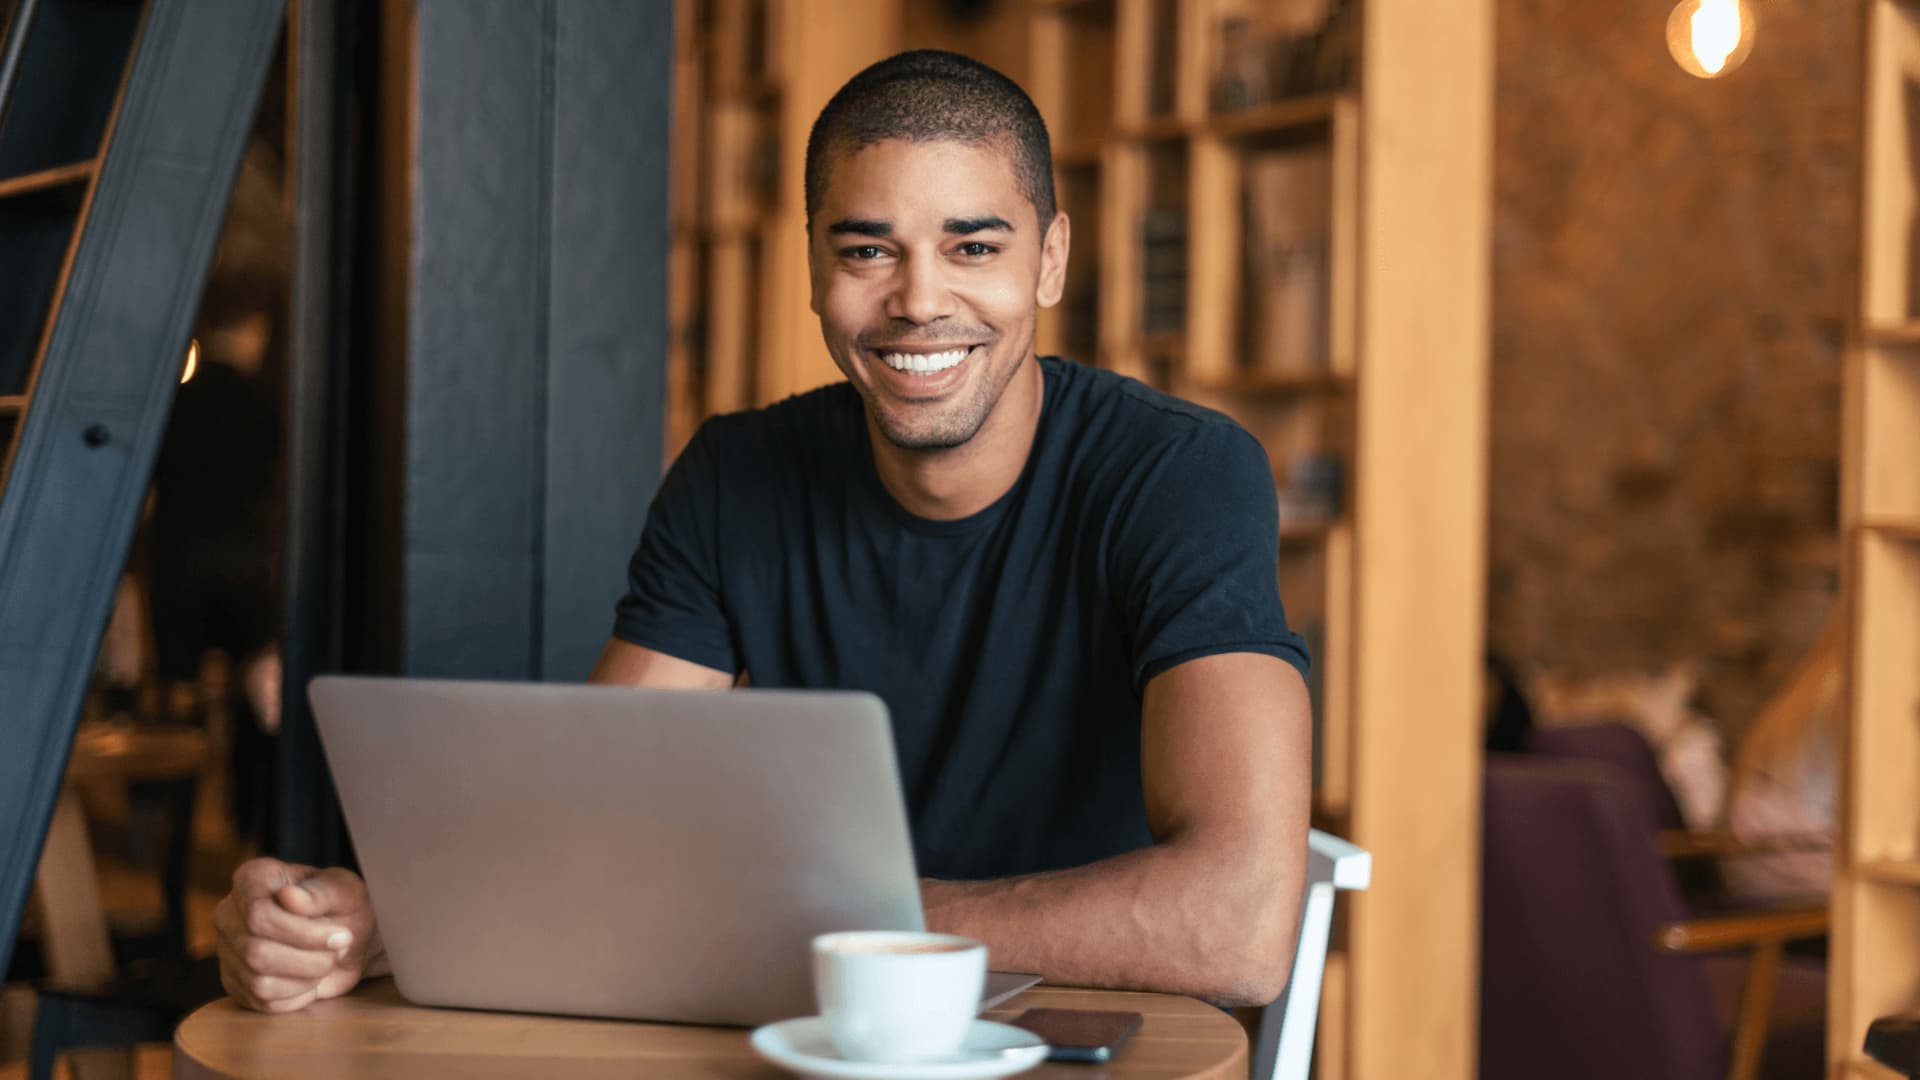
pixel 897 996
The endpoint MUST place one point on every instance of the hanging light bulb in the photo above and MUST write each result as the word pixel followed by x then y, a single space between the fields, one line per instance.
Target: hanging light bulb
pixel 193 360
pixel 1710 38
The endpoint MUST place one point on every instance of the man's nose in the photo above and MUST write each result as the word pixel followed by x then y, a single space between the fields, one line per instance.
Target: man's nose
pixel 921 293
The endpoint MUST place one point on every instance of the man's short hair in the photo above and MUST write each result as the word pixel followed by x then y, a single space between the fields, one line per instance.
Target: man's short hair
pixel 928 95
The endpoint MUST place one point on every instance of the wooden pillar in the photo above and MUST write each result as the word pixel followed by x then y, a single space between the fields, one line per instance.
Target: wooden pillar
pixel 1425 227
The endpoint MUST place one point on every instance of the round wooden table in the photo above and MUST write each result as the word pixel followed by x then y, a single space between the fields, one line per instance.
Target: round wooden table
pixel 373 1033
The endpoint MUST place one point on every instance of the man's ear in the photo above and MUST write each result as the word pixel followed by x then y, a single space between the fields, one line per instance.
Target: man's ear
pixel 1053 261
pixel 813 274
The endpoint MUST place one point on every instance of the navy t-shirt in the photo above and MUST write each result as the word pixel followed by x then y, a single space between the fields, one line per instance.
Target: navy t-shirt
pixel 1011 647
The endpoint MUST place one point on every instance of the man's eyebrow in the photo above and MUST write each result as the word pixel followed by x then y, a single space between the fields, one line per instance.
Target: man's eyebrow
pixel 969 226
pixel 861 227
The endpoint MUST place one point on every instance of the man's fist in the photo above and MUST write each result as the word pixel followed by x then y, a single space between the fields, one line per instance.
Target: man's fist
pixel 291 935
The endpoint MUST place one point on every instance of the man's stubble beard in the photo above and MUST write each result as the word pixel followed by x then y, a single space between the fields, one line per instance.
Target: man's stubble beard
pixel 955 428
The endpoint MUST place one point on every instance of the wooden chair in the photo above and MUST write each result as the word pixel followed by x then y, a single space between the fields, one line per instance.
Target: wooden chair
pixel 1592 966
pixel 1283 1040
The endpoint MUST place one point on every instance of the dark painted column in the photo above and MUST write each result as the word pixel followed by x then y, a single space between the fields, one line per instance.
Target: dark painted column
pixel 479 344
pixel 534 341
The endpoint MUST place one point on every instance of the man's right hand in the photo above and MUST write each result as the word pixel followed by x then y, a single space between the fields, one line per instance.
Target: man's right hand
pixel 291 935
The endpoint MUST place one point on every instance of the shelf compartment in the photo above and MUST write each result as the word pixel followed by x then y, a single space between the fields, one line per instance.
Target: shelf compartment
pixel 1890 244
pixel 1072 327
pixel 1875 924
pixel 1885 751
pixel 1315 572
pixel 1888 407
pixel 1071 78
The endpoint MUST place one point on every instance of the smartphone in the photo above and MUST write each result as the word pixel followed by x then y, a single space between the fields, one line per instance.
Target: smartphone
pixel 1080 1034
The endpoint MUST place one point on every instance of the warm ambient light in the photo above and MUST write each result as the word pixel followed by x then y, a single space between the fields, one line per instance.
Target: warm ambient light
pixel 193 360
pixel 1710 38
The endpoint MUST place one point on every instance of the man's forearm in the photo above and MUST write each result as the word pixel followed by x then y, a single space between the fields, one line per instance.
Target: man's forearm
pixel 1215 921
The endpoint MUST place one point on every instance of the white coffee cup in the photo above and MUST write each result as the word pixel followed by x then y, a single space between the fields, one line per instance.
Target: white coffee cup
pixel 897 996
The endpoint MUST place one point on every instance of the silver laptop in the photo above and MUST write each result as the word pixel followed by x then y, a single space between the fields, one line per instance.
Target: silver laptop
pixel 605 851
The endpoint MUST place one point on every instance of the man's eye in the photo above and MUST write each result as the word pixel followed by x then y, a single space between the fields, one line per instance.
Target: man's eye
pixel 864 251
pixel 977 250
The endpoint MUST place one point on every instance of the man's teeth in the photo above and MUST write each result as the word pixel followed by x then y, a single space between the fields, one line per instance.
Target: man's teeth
pixel 922 363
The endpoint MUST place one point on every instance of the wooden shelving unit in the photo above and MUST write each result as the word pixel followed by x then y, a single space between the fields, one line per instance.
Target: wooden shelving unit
pixel 750 76
pixel 1875 956
pixel 1389 587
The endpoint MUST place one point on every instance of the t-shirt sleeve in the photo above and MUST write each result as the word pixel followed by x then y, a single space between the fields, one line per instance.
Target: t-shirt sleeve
pixel 673 602
pixel 1196 556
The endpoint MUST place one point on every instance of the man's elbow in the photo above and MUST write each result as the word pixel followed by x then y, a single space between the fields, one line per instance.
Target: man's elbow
pixel 1255 977
pixel 1251 963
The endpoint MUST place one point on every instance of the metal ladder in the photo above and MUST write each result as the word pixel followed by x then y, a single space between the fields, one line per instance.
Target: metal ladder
pixel 122 125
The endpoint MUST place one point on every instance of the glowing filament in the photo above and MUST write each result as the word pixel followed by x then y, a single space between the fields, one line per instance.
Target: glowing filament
pixel 1716 33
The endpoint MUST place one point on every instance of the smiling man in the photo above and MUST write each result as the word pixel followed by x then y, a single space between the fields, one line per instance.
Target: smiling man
pixel 1062 583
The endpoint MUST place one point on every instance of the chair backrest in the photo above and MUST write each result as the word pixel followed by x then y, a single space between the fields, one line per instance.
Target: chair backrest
pixel 1571 984
pixel 1622 746
pixel 1283 1044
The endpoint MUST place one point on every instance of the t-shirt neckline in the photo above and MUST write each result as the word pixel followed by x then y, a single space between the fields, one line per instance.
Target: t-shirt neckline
pixel 1050 379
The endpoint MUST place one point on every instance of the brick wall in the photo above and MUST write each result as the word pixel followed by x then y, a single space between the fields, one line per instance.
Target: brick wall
pixel 1674 259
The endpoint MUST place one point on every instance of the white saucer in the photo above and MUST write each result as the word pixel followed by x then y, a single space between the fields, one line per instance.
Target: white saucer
pixel 803 1046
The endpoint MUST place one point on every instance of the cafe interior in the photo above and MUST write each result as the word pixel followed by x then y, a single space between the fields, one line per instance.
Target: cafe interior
pixel 1583 340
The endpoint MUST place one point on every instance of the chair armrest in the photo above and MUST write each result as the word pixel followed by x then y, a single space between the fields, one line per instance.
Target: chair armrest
pixel 1720 843
pixel 1730 932
pixel 1333 861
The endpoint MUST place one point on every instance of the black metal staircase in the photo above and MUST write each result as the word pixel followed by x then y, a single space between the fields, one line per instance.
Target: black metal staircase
pixel 121 128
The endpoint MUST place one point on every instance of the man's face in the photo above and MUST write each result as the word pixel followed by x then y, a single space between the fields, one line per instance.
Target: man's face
pixel 928 265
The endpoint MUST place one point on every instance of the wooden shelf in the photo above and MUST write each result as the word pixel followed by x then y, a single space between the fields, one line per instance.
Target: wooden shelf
pixel 1081 10
pixel 46 179
pixel 1330 815
pixel 1079 153
pixel 1253 384
pixel 1302 534
pixel 1277 118
pixel 1159 129
pixel 1893 530
pixel 1898 333
pixel 1890 871
pixel 748 228
pixel 1869 1069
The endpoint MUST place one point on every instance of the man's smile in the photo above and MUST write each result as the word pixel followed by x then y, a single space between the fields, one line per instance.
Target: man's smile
pixel 920 371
